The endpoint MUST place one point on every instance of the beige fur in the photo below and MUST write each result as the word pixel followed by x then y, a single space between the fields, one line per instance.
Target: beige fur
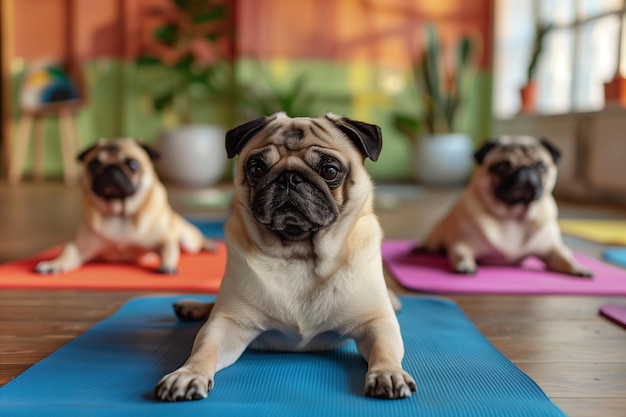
pixel 314 293
pixel 126 229
pixel 481 227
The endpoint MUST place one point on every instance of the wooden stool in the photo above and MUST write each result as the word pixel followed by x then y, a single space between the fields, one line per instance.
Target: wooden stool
pixel 65 112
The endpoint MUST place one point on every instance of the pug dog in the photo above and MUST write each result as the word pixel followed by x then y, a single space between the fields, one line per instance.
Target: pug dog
pixel 304 269
pixel 125 212
pixel 507 212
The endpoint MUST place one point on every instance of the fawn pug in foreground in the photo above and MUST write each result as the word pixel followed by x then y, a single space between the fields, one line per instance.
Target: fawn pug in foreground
pixel 304 269
pixel 507 212
pixel 125 212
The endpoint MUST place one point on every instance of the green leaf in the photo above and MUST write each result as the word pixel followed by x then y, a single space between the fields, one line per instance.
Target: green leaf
pixel 184 63
pixel 291 95
pixel 541 30
pixel 449 106
pixel 167 34
pixel 148 60
pixel 164 100
pixel 406 124
pixel 465 50
pixel 182 4
pixel 433 62
pixel 218 12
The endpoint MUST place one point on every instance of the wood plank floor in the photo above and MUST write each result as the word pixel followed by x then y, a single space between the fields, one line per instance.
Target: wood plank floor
pixel 575 355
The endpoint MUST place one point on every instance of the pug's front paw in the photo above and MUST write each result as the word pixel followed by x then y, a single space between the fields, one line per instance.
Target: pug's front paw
pixel 582 272
pixel 167 270
pixel 183 385
pixel 391 384
pixel 192 310
pixel 50 267
pixel 466 267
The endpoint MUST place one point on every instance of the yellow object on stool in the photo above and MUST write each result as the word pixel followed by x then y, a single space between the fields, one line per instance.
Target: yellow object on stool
pixel 47 91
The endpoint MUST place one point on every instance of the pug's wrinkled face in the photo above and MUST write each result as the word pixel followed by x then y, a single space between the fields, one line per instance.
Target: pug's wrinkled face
pixel 518 169
pixel 295 196
pixel 114 169
pixel 299 173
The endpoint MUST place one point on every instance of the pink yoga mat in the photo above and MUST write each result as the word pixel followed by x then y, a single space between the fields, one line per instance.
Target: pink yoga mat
pixel 431 273
pixel 615 313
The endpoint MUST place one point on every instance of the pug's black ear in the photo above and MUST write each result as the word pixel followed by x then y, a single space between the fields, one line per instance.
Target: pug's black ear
pixel 81 156
pixel 554 151
pixel 237 137
pixel 152 153
pixel 481 153
pixel 367 137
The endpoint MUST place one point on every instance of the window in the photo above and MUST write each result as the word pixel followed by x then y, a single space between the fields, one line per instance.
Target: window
pixel 581 51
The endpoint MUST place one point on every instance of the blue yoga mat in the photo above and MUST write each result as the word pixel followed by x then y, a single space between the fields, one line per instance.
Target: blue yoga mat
pixel 112 368
pixel 213 229
pixel 616 256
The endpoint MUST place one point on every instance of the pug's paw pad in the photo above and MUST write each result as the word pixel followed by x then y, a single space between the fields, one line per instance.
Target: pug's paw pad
pixel 465 267
pixel 182 385
pixel 390 384
pixel 192 310
pixel 582 272
pixel 167 270
pixel 48 267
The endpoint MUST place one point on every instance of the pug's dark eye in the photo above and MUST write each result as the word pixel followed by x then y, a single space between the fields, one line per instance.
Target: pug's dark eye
pixel 256 169
pixel 94 165
pixel 133 164
pixel 501 167
pixel 541 166
pixel 329 172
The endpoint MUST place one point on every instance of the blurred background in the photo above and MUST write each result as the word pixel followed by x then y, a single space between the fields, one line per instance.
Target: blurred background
pixel 438 77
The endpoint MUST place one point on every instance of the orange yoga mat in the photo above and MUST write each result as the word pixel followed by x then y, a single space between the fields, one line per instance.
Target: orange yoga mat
pixel 200 272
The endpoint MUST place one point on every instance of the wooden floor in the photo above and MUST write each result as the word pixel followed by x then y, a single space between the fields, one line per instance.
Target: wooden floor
pixel 575 355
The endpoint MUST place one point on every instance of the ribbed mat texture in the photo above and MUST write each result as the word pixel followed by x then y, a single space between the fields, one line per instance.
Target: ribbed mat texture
pixel 112 368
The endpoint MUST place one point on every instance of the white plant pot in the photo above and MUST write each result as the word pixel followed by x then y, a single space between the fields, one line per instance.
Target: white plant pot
pixel 444 159
pixel 193 155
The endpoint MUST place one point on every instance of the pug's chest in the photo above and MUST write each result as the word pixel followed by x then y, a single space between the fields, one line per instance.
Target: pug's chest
pixel 304 312
pixel 506 243
pixel 124 234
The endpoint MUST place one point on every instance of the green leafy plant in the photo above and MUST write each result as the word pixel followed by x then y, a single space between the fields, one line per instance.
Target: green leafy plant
pixel 442 87
pixel 541 30
pixel 266 97
pixel 189 48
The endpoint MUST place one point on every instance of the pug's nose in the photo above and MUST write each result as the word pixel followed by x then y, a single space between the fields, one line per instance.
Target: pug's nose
pixel 289 179
pixel 526 174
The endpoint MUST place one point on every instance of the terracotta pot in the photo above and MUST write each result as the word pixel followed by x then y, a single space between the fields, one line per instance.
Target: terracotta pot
pixel 615 91
pixel 528 96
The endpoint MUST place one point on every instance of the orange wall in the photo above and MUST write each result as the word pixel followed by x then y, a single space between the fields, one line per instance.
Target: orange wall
pixel 40 28
pixel 385 32
pixel 83 29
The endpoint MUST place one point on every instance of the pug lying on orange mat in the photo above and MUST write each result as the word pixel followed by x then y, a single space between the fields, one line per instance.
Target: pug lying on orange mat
pixel 125 212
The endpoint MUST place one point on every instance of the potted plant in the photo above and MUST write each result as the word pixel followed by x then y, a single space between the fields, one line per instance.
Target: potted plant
pixel 615 88
pixel 188 47
pixel 528 92
pixel 295 98
pixel 443 155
